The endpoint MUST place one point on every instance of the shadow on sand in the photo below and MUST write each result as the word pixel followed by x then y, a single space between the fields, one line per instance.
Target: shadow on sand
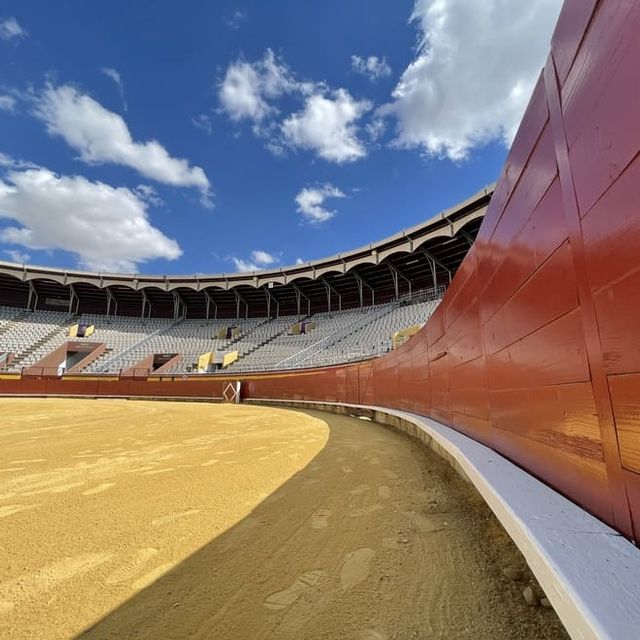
pixel 376 538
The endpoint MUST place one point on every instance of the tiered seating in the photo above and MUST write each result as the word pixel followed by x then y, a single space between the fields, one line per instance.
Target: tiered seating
pixel 119 334
pixel 253 343
pixel 374 339
pixel 34 335
pixel 54 341
pixel 7 314
pixel 263 344
pixel 190 338
pixel 283 347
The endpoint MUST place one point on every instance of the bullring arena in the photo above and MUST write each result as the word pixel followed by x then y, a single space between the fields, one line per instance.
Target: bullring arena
pixel 170 519
pixel 435 435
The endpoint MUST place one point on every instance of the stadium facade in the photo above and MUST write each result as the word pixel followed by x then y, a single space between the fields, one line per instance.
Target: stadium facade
pixel 422 257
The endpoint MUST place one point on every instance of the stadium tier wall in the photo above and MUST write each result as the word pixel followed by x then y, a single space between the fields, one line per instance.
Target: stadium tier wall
pixel 535 350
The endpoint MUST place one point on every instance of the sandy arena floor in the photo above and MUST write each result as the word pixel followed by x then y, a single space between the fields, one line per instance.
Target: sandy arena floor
pixel 167 520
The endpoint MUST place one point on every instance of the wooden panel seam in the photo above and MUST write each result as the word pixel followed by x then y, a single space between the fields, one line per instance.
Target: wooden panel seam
pixel 604 407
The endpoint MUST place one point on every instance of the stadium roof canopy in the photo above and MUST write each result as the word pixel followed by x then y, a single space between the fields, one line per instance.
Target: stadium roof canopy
pixel 416 258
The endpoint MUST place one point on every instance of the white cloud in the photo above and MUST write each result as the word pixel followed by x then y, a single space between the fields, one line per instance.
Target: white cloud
pixel 299 261
pixel 310 203
pixel 9 162
pixel 149 195
pixel 236 19
pixel 476 66
pixel 101 136
pixel 258 260
pixel 203 122
pixel 112 73
pixel 372 67
pixel 328 126
pixel 247 87
pixel 243 266
pixel 263 258
pixel 7 103
pixel 10 29
pixel 18 256
pixel 376 128
pixel 106 228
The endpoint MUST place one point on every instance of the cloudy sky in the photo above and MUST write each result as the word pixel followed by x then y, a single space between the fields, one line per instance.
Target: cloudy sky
pixel 172 137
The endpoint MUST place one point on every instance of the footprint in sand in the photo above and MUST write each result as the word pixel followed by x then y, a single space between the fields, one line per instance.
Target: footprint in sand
pixel 374 461
pixel 425 524
pixel 396 542
pixel 134 566
pixel 370 634
pixel 285 598
pixel 172 517
pixel 359 490
pixel 347 469
pixel 358 513
pixel 390 474
pixel 384 492
pixel 47 578
pixel 320 519
pixel 356 567
pixel 99 489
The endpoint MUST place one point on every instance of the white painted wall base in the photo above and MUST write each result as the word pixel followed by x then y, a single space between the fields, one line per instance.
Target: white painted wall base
pixel 589 572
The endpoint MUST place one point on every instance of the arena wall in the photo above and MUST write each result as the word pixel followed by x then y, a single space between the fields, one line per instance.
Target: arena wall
pixel 535 350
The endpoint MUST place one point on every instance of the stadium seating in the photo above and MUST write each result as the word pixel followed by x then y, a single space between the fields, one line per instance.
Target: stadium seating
pixel 30 335
pixel 189 338
pixel 262 343
pixel 119 336
pixel 372 339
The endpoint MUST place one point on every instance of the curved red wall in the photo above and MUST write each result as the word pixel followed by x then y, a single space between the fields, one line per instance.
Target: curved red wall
pixel 535 349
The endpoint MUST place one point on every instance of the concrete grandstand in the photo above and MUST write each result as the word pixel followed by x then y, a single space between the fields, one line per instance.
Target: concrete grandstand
pixel 351 306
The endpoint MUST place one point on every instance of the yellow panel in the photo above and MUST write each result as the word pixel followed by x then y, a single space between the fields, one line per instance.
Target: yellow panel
pixel 230 357
pixel 400 337
pixel 204 360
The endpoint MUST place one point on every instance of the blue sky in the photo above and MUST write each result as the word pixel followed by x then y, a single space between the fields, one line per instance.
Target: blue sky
pixel 166 137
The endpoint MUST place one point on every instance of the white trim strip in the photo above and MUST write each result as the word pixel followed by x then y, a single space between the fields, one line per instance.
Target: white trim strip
pixel 589 572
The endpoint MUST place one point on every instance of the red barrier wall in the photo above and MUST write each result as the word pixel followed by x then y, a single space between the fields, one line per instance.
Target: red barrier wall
pixel 535 350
